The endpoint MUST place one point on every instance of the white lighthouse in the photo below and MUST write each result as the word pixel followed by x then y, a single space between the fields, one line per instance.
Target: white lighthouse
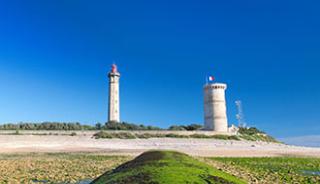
pixel 215 111
pixel 114 100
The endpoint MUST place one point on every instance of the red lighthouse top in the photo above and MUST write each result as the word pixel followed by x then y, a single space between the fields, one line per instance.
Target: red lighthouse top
pixel 114 68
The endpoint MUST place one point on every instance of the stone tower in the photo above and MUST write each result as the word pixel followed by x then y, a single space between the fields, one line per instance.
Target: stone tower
pixel 215 111
pixel 114 100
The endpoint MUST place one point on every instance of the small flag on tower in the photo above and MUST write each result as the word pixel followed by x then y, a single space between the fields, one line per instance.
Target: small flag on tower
pixel 210 78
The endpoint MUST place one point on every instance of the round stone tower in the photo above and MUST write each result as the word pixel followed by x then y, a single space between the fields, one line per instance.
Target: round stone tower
pixel 114 100
pixel 215 111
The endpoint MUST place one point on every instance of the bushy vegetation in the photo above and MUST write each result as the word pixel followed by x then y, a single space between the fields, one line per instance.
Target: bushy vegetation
pixel 130 126
pixel 126 126
pixel 130 135
pixel 46 126
pixel 273 170
pixel 75 126
pixel 109 135
pixel 225 137
pixel 254 134
pixel 164 167
pixel 191 127
pixel 69 126
pixel 250 130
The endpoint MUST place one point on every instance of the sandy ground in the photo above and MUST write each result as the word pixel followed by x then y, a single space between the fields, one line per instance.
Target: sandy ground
pixel 196 147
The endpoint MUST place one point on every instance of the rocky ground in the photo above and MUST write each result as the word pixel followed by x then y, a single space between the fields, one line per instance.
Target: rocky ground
pixel 196 147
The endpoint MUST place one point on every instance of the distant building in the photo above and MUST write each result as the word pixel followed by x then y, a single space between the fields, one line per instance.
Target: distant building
pixel 215 111
pixel 114 100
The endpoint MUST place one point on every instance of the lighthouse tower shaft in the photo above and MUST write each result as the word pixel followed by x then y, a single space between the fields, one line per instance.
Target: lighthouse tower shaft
pixel 215 111
pixel 114 100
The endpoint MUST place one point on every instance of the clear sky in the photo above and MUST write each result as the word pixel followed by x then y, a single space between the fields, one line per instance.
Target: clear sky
pixel 55 55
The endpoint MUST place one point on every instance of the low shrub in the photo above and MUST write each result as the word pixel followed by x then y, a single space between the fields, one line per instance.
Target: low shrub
pixel 176 128
pixel 254 134
pixel 102 135
pixel 199 136
pixel 234 137
pixel 176 136
pixel 128 135
pixel 250 131
pixel 17 132
pixel 190 127
pixel 124 135
pixel 112 125
pixel 144 136
pixel 225 137
pixel 117 135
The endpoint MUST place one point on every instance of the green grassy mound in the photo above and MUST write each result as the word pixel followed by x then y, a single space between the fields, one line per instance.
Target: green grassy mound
pixel 165 167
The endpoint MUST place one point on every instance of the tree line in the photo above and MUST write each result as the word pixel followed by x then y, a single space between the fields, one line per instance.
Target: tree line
pixel 66 126
pixel 45 126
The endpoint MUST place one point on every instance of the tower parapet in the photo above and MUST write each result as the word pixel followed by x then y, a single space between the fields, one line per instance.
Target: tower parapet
pixel 215 111
pixel 114 100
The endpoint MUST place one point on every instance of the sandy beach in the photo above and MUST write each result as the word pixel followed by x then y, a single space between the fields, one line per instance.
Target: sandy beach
pixel 196 147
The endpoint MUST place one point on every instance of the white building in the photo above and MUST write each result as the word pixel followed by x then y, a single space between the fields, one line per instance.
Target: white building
pixel 215 111
pixel 114 100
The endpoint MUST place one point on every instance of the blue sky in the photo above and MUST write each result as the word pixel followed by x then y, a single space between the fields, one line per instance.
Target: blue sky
pixel 54 57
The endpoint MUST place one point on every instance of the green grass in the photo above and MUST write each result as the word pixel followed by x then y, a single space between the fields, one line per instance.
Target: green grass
pixel 162 167
pixel 272 170
pixel 55 167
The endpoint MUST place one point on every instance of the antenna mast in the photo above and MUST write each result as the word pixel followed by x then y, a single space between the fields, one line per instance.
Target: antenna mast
pixel 240 115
